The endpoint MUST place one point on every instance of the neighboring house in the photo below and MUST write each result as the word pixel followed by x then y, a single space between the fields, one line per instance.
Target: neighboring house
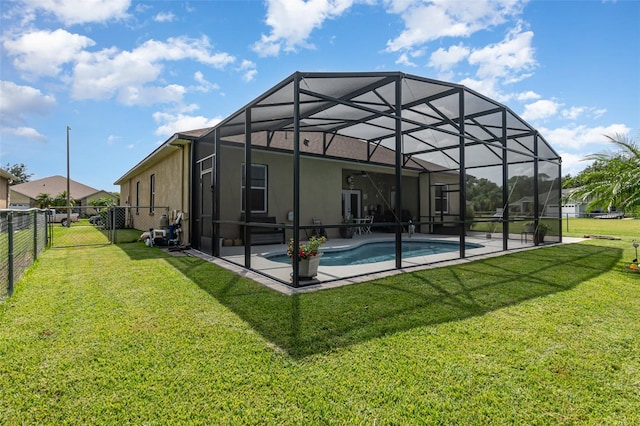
pixel 572 207
pixel 547 205
pixel 25 194
pixel 5 179
pixel 334 145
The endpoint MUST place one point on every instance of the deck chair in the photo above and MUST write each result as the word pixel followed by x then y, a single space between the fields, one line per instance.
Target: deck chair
pixel 318 229
pixel 366 228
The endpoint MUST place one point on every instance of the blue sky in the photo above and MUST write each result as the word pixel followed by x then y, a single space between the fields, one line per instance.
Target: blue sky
pixel 126 75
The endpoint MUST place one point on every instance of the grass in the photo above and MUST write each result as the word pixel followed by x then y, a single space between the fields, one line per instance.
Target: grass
pixel 578 227
pixel 132 335
pixel 83 233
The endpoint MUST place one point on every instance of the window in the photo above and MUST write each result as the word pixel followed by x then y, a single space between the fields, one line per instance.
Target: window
pixel 258 190
pixel 138 197
pixel 442 198
pixel 152 193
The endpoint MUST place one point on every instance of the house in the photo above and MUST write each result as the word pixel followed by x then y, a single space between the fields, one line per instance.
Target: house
pixel 5 179
pixel 390 145
pixel 162 179
pixel 574 207
pixel 547 205
pixel 25 195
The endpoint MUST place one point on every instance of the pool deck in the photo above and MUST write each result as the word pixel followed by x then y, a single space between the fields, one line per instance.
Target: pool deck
pixel 275 274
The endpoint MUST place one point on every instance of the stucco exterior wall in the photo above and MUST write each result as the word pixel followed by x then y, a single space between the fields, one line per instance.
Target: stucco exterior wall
pixel 171 188
pixel 4 192
pixel 322 182
pixel 320 194
pixel 21 200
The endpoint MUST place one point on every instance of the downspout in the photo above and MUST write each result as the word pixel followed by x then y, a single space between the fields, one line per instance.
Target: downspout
pixel 185 181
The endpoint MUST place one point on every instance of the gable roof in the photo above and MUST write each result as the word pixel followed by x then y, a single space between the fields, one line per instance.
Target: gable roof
pixel 333 147
pixel 53 186
pixel 169 146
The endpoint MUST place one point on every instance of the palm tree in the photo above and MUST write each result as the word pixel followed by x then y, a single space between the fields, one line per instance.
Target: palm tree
pixel 613 179
pixel 61 200
pixel 43 200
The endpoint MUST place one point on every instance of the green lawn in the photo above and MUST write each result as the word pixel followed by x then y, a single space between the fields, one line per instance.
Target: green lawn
pixel 129 334
pixel 83 233
pixel 578 227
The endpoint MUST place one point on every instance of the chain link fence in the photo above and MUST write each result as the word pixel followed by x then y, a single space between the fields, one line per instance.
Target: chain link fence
pixel 81 226
pixel 23 235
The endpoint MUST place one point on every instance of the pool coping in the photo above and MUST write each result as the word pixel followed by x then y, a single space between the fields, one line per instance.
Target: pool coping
pixel 361 274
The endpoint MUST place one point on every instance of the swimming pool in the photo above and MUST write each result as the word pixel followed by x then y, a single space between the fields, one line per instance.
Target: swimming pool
pixel 380 251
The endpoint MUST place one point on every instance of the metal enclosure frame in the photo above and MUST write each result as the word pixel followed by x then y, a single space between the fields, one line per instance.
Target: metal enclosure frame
pixel 431 127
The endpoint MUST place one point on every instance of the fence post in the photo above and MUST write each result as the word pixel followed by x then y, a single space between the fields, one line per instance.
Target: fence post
pixel 10 238
pixel 49 226
pixel 35 234
pixel 112 220
pixel 114 236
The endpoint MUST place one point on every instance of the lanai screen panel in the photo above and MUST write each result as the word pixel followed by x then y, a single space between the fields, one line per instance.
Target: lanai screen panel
pixel 436 117
pixel 545 151
pixel 481 155
pixel 550 188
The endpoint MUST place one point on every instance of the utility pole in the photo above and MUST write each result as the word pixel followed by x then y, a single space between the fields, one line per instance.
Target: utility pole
pixel 68 189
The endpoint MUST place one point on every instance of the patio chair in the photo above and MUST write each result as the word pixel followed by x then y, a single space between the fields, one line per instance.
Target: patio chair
pixel 318 230
pixel 366 228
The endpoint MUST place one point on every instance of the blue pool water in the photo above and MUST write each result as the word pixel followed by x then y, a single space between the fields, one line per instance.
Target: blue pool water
pixel 380 251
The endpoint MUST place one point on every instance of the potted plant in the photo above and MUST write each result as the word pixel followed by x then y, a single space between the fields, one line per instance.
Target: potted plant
pixel 347 231
pixel 538 232
pixel 309 255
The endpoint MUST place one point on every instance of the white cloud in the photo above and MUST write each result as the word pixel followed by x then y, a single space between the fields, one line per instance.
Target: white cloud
pixel 248 68
pixel 42 53
pixel 403 59
pixel 510 60
pixel 250 75
pixel 527 96
pixel 79 12
pixel 16 100
pixel 582 138
pixel 574 113
pixel 126 74
pixel 292 22
pixel 24 133
pixel 175 123
pixel 132 95
pixel 485 87
pixel 445 59
pixel 16 103
pixel 164 17
pixel 573 163
pixel 204 86
pixel 430 20
pixel 540 110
